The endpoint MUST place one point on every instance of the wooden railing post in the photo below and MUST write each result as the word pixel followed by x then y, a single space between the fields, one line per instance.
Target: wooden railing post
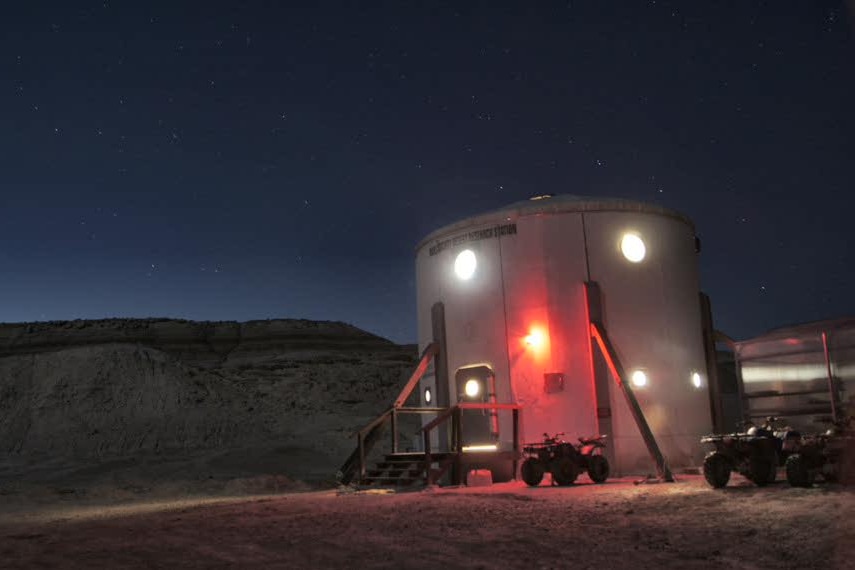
pixel 428 461
pixel 394 430
pixel 361 456
pixel 458 445
pixel 516 430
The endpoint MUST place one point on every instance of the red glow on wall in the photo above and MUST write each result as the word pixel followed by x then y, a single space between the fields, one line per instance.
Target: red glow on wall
pixel 536 339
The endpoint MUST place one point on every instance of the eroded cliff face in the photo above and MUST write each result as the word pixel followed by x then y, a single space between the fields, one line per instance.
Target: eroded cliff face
pixel 205 344
pixel 282 396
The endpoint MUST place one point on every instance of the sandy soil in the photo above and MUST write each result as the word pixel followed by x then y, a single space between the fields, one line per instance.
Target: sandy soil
pixel 615 525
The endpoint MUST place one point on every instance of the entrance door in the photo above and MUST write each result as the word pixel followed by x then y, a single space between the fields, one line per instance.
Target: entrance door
pixel 477 384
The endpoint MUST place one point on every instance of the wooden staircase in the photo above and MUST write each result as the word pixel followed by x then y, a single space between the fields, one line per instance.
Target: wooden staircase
pixel 427 467
pixel 406 469
pixel 401 469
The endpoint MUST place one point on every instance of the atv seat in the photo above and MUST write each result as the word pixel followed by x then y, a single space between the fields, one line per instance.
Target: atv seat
pixel 591 439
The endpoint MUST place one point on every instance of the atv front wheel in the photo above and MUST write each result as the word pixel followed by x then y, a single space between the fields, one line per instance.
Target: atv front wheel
pixel 761 468
pixel 598 468
pixel 798 473
pixel 564 471
pixel 716 469
pixel 773 467
pixel 532 471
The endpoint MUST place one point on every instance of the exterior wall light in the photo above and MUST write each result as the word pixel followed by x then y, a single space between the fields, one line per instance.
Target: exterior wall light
pixel 472 388
pixel 428 396
pixel 484 447
pixel 535 338
pixel 633 248
pixel 465 264
pixel 696 380
pixel 639 379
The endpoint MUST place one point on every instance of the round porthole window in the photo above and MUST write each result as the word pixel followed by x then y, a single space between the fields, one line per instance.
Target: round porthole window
pixel 639 379
pixel 465 264
pixel 633 248
pixel 472 388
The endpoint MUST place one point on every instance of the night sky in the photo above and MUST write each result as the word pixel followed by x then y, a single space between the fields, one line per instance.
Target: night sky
pixel 252 160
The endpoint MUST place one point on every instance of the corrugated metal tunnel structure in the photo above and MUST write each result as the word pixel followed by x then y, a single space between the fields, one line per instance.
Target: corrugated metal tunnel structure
pixel 511 293
pixel 803 373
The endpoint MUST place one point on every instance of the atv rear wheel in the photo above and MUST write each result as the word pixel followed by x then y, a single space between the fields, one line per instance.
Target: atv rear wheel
pixel 798 473
pixel 564 471
pixel 598 468
pixel 716 469
pixel 532 471
pixel 830 476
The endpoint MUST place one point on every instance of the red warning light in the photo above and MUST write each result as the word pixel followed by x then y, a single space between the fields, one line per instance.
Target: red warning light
pixel 536 339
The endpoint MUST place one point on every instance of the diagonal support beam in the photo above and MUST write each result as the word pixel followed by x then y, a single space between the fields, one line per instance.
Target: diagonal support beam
pixel 429 352
pixel 598 333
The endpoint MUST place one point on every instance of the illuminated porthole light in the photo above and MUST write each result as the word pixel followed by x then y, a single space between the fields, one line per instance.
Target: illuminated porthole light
pixel 428 396
pixel 472 388
pixel 696 380
pixel 633 248
pixel 639 379
pixel 465 264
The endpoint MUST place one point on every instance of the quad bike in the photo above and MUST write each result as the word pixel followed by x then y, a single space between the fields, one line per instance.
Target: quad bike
pixel 755 453
pixel 564 460
pixel 830 455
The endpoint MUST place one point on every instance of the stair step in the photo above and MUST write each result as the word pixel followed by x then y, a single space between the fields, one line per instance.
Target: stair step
pixel 412 472
pixel 416 454
pixel 403 469
pixel 399 463
pixel 399 481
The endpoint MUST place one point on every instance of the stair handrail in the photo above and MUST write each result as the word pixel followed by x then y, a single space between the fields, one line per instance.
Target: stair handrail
pixel 368 435
pixel 381 419
pixel 365 441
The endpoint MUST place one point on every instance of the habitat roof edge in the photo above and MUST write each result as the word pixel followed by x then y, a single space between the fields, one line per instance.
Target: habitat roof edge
pixel 549 205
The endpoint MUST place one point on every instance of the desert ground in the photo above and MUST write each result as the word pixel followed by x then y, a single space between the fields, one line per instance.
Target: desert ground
pixel 173 444
pixel 620 524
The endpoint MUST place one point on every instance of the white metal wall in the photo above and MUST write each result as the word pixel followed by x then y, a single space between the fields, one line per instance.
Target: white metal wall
pixel 534 279
pixel 652 314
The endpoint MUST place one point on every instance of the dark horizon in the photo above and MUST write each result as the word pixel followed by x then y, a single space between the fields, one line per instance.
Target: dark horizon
pixel 225 161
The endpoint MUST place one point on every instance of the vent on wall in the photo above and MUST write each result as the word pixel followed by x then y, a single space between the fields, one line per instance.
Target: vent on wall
pixel 553 382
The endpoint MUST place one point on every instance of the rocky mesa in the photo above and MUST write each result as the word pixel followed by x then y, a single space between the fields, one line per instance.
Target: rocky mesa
pixel 164 399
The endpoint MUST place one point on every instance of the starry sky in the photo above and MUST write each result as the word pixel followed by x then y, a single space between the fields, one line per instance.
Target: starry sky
pixel 250 160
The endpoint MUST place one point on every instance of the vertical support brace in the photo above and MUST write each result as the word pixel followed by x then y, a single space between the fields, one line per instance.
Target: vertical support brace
pixel 832 389
pixel 600 372
pixel 711 358
pixel 440 366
